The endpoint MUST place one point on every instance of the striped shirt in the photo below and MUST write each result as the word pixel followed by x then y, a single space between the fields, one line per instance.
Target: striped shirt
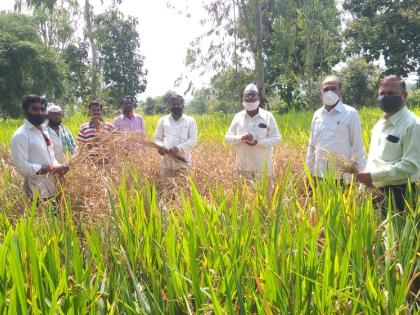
pixel 88 131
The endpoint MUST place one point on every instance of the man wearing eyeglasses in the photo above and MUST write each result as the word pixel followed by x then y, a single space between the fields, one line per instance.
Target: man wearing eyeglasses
pixel 33 153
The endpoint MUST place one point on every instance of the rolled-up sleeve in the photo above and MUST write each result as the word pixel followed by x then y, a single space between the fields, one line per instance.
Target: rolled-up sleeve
pixel 20 156
pixel 231 136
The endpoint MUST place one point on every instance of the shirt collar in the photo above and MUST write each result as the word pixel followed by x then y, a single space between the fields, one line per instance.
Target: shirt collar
pixel 182 117
pixel 249 117
pixel 395 118
pixel 338 108
pixel 31 126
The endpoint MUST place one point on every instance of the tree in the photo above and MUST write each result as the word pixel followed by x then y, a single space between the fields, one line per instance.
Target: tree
pixel 157 105
pixel 359 82
pixel 26 64
pixel 201 101
pixel 385 28
pixel 120 60
pixel 89 33
pixel 300 42
pixel 76 57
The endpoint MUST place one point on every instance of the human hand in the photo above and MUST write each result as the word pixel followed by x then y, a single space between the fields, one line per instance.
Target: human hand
pixel 174 151
pixel 60 169
pixel 364 178
pixel 161 151
pixel 246 137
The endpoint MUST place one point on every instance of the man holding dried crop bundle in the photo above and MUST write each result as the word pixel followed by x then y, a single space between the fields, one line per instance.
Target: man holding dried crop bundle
pixel 129 120
pixel 33 153
pixel 394 155
pixel 336 135
pixel 253 133
pixel 89 130
pixel 176 135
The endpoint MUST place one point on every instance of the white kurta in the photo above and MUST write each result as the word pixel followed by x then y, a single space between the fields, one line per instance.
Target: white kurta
pixel 264 128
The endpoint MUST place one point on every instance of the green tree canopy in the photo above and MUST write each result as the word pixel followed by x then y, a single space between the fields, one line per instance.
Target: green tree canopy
pixel 26 64
pixel 387 28
pixel 120 60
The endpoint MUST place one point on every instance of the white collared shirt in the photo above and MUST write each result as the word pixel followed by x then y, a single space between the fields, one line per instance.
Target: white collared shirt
pixel 264 127
pixel 181 134
pixel 29 153
pixel 337 132
pixel 394 153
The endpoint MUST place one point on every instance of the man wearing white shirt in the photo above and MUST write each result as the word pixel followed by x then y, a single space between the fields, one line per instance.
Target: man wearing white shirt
pixel 335 132
pixel 394 155
pixel 177 133
pixel 33 153
pixel 61 137
pixel 253 133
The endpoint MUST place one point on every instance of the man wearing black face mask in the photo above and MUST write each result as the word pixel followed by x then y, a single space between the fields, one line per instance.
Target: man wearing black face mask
pixel 33 153
pixel 177 133
pixel 61 137
pixel 393 163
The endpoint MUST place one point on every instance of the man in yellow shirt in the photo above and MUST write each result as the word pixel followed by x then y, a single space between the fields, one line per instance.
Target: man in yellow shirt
pixel 393 163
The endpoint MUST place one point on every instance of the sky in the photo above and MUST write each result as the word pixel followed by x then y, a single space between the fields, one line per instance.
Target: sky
pixel 165 34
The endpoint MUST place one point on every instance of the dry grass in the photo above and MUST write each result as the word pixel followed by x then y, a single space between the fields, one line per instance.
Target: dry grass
pixel 99 168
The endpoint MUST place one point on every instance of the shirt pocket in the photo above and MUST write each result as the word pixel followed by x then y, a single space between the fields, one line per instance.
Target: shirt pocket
pixel 261 130
pixel 341 133
pixel 183 133
pixel 391 151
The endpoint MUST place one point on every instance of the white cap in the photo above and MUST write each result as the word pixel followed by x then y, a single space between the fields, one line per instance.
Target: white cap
pixel 52 108
pixel 251 88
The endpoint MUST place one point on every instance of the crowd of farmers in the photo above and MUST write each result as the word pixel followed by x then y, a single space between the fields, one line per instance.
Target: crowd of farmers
pixel 40 151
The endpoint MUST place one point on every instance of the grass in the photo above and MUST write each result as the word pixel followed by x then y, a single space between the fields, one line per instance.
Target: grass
pixel 237 251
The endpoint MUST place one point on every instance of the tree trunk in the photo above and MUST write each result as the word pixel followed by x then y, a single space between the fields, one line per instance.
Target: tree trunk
pixel 259 61
pixel 18 6
pixel 94 62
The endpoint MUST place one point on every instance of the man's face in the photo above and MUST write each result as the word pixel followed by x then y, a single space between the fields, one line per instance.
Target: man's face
pixel 37 108
pixel 330 85
pixel 56 117
pixel 176 103
pixel 127 106
pixel 392 88
pixel 95 111
pixel 250 96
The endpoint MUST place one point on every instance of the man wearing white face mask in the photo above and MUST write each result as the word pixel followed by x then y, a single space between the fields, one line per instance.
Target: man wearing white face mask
pixel 253 132
pixel 335 130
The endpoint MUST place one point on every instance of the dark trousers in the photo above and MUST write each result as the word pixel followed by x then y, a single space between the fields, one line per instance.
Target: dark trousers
pixel 399 193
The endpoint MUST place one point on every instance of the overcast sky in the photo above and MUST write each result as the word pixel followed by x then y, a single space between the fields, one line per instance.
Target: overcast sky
pixel 165 34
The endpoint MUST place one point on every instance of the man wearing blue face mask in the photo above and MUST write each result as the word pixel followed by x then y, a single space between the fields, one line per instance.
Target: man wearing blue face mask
pixel 335 131
pixel 394 155
pixel 33 153
pixel 253 133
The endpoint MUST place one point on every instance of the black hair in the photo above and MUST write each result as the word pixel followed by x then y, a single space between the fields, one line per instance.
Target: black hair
pixel 176 97
pixel 394 78
pixel 31 99
pixel 96 103
pixel 128 97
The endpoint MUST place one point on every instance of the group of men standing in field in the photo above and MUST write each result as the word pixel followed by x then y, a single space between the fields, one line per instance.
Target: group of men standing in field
pixel 393 165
